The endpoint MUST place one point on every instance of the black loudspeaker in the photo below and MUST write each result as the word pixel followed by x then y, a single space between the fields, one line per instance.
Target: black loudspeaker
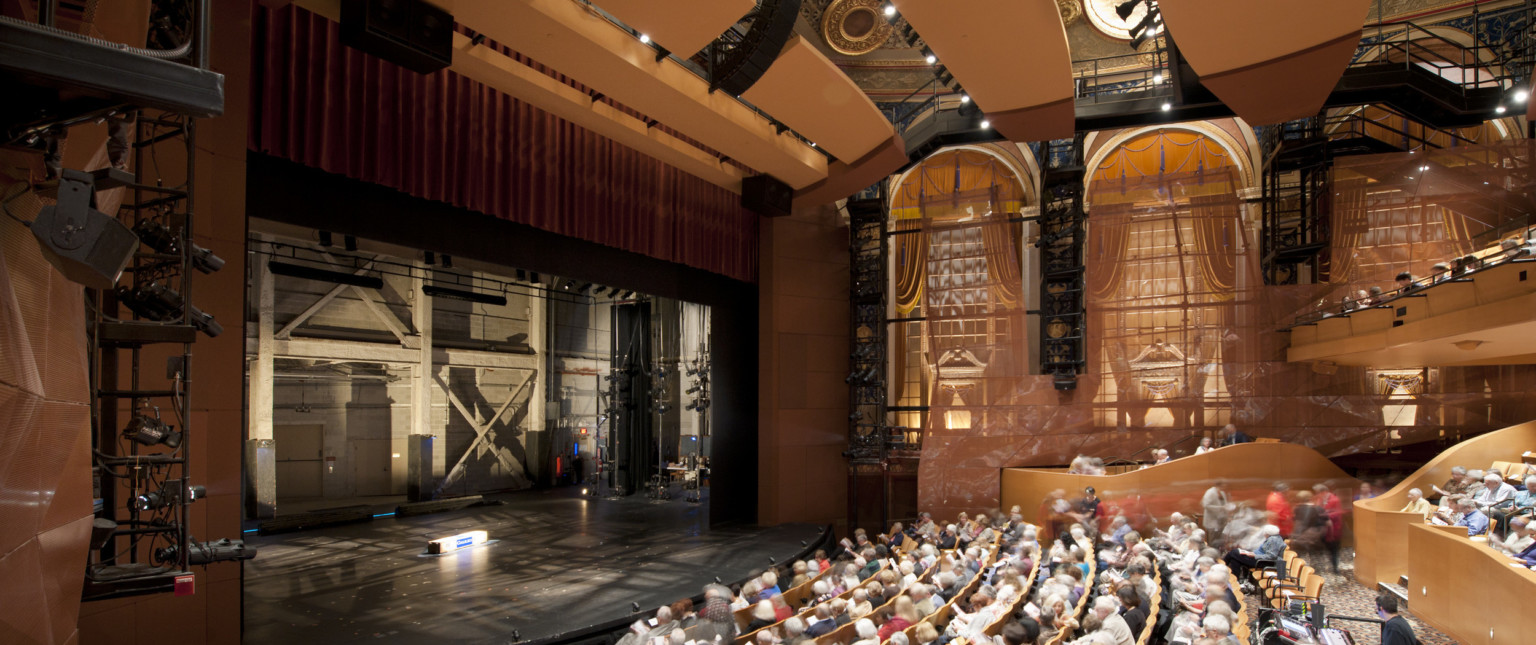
pixel 86 245
pixel 409 33
pixel 766 196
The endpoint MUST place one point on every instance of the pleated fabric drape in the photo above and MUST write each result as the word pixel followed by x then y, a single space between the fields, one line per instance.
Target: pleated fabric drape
pixel 445 137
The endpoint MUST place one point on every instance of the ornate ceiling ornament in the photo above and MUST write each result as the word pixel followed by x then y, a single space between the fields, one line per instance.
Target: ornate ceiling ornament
pixel 1070 10
pixel 855 27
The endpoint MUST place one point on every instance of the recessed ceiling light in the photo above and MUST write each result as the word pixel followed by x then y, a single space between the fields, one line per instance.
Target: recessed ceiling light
pixel 932 59
pixel 965 98
pixel 645 39
pixel 813 144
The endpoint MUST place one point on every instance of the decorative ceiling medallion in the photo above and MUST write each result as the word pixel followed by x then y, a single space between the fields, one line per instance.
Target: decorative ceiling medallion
pixel 1101 14
pixel 855 27
pixel 1070 10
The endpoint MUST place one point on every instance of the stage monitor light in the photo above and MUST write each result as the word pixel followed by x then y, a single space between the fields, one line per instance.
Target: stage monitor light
pixel 455 542
pixel 325 275
pixel 462 294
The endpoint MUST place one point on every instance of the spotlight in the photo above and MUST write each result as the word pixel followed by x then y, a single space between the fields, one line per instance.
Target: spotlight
pixel 225 550
pixel 1125 9
pixel 533 276
pixel 813 144
pixel 149 501
pixel 325 238
pixel 1521 96
pixel 771 560
pixel 985 124
pixel 1423 168
pixel 931 59
pixel 634 607
pixel 645 39
pixel 965 98
pixel 890 10
pixel 150 431
pixel 522 276
pixel 585 288
pixel 160 238
pixel 1499 109
pixel 1157 78
pixel 1167 107
pixel 447 261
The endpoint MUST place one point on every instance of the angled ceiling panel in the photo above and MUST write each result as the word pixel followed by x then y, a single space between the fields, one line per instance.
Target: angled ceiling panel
pixel 846 178
pixel 810 94
pixel 1268 61
pixel 683 26
pixel 1011 56
pixel 587 47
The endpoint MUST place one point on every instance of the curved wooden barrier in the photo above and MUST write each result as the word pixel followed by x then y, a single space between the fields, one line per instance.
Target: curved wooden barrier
pixel 1382 550
pixel 1250 471
pixel 1467 590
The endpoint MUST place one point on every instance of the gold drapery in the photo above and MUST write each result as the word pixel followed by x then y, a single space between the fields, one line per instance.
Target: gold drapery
pixel 1215 223
pixel 911 255
pixel 1108 235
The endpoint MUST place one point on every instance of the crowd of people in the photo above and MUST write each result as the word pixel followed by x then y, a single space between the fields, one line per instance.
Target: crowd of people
pixel 1406 282
pixel 1480 501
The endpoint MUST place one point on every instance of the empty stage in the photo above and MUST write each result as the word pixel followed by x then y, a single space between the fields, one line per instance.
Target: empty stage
pixel 557 562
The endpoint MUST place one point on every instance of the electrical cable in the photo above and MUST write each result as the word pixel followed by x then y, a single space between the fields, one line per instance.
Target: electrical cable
pixel 6 205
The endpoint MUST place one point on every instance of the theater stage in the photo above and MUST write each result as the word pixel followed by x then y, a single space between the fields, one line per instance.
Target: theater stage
pixel 557 562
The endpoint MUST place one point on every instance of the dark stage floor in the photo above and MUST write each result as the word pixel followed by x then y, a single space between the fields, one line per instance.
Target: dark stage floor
pixel 557 562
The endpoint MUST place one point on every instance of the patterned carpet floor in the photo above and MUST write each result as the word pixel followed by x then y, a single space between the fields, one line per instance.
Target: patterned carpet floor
pixel 1344 596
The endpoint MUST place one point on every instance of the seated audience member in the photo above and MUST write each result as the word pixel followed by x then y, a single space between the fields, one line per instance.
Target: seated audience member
pixel 1454 486
pixel 682 610
pixel 1205 446
pixel 823 622
pixel 1110 622
pixel 1528 556
pixel 1133 610
pixel 1269 550
pixel 1417 504
pixel 1518 539
pixel 1493 493
pixel 840 613
pixel 868 633
pixel 802 574
pixel 859 605
pixel 762 616
pixel 923 600
pixel 1468 516
pixel 794 631
pixel 1022 631
pixel 715 619
pixel 1405 282
pixel 781 608
pixel 1373 295
pixel 925 634
pixel 1218 631
pixel 770 586
pixel 1231 436
pixel 903 615
pixel 1441 271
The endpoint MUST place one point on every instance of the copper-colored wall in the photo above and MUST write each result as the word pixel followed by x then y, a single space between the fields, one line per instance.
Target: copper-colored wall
pixel 1465 589
pixel 1249 471
pixel 803 353
pixel 212 614
pixel 45 462
pixel 1381 533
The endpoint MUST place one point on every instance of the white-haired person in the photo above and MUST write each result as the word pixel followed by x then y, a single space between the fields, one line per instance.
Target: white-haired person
pixel 802 573
pixel 770 585
pixel 1107 610
pixel 762 616
pixel 822 623
pixel 794 631
pixel 1519 538
pixel 1218 631
pixel 858 604
pixel 1417 504
pixel 868 633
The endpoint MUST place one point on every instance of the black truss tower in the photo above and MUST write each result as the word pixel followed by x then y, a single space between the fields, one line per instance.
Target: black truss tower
pixel 1063 322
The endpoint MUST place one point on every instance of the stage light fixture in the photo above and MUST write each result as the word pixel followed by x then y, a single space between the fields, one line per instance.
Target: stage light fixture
pixel 203 553
pixel 447 261
pixel 585 288
pixel 1157 78
pixel 151 431
pixel 985 124
pixel 429 258
pixel 533 276
pixel 349 242
pixel 1167 107
pixel 463 294
pixel 149 501
pixel 522 276
pixel 645 39
pixel 930 58
pixel 890 10
pixel 325 275
pixel 1499 109
pixel 634 607
pixel 160 238
pixel 965 98
pixel 1125 9
pixel 1521 96
pixel 325 238
pixel 161 303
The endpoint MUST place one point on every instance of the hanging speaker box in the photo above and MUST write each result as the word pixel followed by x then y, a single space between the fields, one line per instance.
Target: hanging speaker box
pixel 766 196
pixel 409 33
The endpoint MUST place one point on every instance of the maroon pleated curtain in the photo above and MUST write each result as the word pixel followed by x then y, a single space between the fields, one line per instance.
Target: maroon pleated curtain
pixel 447 138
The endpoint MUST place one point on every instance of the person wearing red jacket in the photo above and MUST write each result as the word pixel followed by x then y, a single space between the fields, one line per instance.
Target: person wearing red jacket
pixel 1333 508
pixel 1279 508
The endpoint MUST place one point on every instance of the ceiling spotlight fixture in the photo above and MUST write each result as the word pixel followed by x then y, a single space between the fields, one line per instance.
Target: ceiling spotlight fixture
pixel 965 98
pixel 813 144
pixel 934 59
pixel 1423 168
pixel 1167 107
pixel 645 39
pixel 1157 78
pixel 1499 109
pixel 890 10
pixel 1521 96
pixel 985 124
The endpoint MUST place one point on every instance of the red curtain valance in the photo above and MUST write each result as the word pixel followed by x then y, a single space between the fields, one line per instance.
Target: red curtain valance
pixel 444 137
